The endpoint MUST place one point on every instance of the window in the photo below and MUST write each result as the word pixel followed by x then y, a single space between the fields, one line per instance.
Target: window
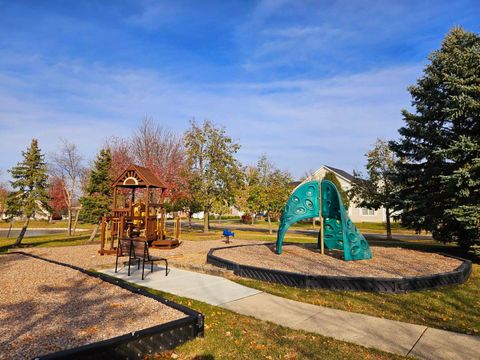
pixel 368 212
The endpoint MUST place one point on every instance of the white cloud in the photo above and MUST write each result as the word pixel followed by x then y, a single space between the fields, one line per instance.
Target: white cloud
pixel 300 124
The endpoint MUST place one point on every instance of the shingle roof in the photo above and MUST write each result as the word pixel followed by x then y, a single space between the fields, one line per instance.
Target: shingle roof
pixel 143 177
pixel 342 173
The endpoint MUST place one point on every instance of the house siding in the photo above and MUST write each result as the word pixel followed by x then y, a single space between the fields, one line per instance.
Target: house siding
pixel 354 212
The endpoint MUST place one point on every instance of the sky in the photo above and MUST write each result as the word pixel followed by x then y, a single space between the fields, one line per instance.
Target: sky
pixel 304 82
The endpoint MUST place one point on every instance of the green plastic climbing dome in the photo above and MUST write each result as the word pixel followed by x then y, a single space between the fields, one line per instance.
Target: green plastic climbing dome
pixel 339 231
pixel 302 204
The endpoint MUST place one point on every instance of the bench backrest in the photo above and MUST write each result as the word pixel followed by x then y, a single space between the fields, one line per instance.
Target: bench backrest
pixel 134 248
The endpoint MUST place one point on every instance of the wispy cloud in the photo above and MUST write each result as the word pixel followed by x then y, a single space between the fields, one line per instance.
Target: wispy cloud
pixel 300 124
pixel 306 82
pixel 155 14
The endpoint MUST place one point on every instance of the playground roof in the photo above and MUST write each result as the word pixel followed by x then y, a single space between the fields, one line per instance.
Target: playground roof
pixel 138 177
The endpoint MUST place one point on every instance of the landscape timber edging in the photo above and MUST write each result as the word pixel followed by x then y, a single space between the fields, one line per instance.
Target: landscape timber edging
pixel 138 344
pixel 349 283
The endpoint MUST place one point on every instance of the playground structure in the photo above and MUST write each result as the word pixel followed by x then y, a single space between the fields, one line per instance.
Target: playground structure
pixel 142 219
pixel 337 231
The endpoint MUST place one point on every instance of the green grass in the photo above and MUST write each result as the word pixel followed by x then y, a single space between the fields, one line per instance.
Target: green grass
pixel 232 336
pixel 307 225
pixel 455 308
pixel 198 235
pixel 45 241
pixel 44 224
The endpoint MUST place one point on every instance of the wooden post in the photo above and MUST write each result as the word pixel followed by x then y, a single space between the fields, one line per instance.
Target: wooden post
pixel 132 202
pixel 102 237
pixel 177 228
pixel 111 235
pixel 322 244
pixel 147 212
pixel 114 202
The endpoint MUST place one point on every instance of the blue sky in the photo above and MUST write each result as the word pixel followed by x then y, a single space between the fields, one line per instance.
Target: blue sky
pixel 305 82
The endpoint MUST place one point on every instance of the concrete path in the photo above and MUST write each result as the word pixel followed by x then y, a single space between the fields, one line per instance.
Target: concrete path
pixel 214 290
pixel 388 335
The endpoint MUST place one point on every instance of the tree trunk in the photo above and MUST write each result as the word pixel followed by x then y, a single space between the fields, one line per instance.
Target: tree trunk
pixel 313 223
pixel 69 225
pixel 389 225
pixel 205 220
pixel 253 218
pixel 269 223
pixel 94 232
pixel 22 232
pixel 189 220
pixel 10 228
pixel 76 221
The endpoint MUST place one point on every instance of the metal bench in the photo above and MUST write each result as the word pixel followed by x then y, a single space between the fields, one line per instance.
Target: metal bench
pixel 137 252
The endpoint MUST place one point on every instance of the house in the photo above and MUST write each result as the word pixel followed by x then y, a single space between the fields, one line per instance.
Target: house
pixel 357 214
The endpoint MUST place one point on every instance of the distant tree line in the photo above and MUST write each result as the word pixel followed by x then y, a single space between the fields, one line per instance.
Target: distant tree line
pixel 199 169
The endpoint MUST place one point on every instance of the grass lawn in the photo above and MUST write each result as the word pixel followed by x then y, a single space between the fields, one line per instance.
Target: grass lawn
pixel 44 224
pixel 45 241
pixel 455 308
pixel 307 225
pixel 232 336
pixel 198 235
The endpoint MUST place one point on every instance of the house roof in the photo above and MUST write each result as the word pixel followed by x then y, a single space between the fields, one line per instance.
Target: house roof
pixel 294 184
pixel 341 172
pixel 138 177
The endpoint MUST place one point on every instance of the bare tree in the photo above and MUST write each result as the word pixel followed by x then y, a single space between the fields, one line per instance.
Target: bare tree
pixel 67 165
pixel 161 150
pixel 153 145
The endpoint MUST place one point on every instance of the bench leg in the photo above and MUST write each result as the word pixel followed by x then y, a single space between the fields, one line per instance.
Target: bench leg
pixel 166 267
pixel 143 268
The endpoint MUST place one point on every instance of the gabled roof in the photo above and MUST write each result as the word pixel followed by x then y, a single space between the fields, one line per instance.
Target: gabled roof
pixel 138 177
pixel 342 173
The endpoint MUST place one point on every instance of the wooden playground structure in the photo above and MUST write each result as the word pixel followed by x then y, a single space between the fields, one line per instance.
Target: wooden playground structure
pixel 141 218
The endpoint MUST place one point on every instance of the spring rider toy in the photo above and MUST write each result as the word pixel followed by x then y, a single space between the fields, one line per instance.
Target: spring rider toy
pixel 338 232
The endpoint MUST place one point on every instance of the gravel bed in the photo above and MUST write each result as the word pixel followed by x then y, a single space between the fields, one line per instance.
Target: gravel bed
pixel 305 259
pixel 46 307
pixel 87 256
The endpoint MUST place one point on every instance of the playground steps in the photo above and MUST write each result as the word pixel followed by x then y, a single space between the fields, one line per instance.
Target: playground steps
pixel 166 244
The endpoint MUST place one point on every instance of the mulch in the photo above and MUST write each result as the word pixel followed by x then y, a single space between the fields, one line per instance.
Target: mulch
pixel 387 262
pixel 46 308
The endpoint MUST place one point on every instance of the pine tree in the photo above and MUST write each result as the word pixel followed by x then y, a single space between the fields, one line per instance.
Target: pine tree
pixel 30 195
pixel 439 146
pixel 343 194
pixel 97 199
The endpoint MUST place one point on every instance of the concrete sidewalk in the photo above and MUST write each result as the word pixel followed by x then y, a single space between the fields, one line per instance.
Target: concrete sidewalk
pixel 388 335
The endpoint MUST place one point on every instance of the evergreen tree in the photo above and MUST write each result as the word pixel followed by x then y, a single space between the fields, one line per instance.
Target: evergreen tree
pixel 439 146
pixel 343 194
pixel 30 187
pixel 97 199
